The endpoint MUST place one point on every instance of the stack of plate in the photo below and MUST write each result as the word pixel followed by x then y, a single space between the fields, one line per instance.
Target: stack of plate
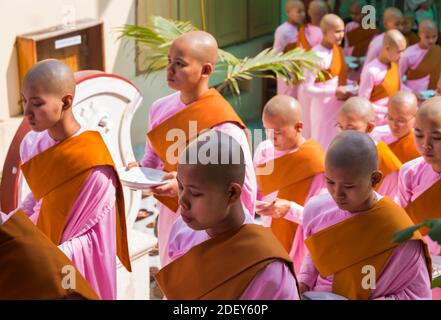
pixel 351 62
pixel 427 94
pixel 317 295
pixel 141 178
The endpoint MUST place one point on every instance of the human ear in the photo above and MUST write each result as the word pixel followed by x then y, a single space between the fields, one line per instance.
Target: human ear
pixel 207 69
pixel 67 102
pixel 299 126
pixel 370 127
pixel 376 178
pixel 235 191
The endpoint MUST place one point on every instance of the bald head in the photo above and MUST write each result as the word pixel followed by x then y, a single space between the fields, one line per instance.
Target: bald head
pixel 285 108
pixel 360 107
pixel 218 156
pixel 291 4
pixel 430 109
pixel 317 10
pixel 354 151
pixel 331 22
pixel 53 77
pixel 393 19
pixel 200 44
pixel 405 102
pixel 394 38
pixel 427 26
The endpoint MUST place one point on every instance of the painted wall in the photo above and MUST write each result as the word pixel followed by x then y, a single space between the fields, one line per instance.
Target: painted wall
pixel 23 16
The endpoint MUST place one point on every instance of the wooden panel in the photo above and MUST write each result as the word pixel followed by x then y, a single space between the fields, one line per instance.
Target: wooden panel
pixel 145 9
pixel 263 17
pixel 227 20
pixel 27 56
pixel 190 10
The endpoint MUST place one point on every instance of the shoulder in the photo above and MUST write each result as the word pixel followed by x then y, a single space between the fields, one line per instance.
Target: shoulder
pixel 410 169
pixel 262 149
pixel 159 104
pixel 315 206
pixel 28 146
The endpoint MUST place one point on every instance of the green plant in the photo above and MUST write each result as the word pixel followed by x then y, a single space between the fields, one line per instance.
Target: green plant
pixel 159 33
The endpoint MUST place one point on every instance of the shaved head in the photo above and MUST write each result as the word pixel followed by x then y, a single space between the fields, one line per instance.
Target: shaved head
pixel 285 108
pixel 291 4
pixel 361 107
pixel 331 21
pixel 428 34
pixel 393 38
pixel 430 109
pixel 354 150
pixel 427 25
pixel 393 19
pixel 202 46
pixel 218 155
pixel 53 77
pixel 404 101
pixel 392 13
pixel 317 10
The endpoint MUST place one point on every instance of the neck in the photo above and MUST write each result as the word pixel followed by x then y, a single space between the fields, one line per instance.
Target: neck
pixel 368 204
pixel 436 167
pixel 327 44
pixel 188 97
pixel 383 59
pixel 64 129
pixel 233 221
pixel 294 23
pixel 422 46
pixel 297 143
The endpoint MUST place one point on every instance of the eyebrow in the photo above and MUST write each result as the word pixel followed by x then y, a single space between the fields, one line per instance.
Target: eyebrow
pixel 188 185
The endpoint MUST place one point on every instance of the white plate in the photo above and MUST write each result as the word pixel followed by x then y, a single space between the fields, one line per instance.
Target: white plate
pixel 352 88
pixel 141 178
pixel 262 203
pixel 316 295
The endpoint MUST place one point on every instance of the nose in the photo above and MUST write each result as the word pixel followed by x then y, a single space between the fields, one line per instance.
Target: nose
pixel 339 192
pixel 170 68
pixel 427 143
pixel 183 202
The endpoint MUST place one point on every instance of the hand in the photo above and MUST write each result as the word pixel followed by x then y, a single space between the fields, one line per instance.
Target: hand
pixel 277 209
pixel 132 165
pixel 342 94
pixel 303 288
pixel 169 189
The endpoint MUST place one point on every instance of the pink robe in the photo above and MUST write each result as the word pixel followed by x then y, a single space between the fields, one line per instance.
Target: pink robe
pixel 324 106
pixel 264 153
pixel 374 48
pixel 274 282
pixel 372 75
pixel 415 177
pixel 412 57
pixel 285 34
pixel 404 277
pixel 162 110
pixel 89 237
pixel 314 36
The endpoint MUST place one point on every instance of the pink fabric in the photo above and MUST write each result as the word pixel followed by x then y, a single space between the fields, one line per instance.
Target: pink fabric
pixel 324 106
pixel 412 57
pixel 285 34
pixel 372 75
pixel 389 186
pixel 264 153
pixel 89 237
pixel 383 133
pixel 274 282
pixel 349 27
pixel 415 177
pixel 162 110
pixel 374 48
pixel 404 277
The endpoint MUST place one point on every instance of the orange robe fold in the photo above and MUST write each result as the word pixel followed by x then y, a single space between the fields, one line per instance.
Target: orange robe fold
pixel 32 267
pixel 430 65
pixel 225 265
pixel 405 148
pixel 338 67
pixel 57 175
pixel 426 206
pixel 360 38
pixel 389 86
pixel 388 162
pixel 208 111
pixel 302 42
pixel 292 177
pixel 364 239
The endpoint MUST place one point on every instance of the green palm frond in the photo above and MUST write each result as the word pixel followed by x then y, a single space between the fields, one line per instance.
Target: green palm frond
pixel 157 36
pixel 289 66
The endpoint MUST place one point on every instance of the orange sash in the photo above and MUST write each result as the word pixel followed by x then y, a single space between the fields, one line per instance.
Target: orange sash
pixel 32 266
pixel 426 206
pixel 360 39
pixel 338 67
pixel 364 239
pixel 430 65
pixel 208 111
pixel 388 162
pixel 405 148
pixel 302 42
pixel 292 177
pixel 57 175
pixel 389 86
pixel 221 268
